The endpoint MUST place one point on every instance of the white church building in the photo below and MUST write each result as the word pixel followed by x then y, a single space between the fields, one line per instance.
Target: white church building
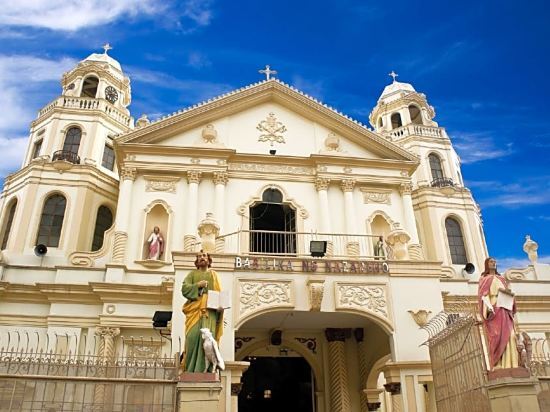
pixel 336 240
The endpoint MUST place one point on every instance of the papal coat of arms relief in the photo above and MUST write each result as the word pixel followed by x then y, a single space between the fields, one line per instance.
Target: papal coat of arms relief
pixel 272 130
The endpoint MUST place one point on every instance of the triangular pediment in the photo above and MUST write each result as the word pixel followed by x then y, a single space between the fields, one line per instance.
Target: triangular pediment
pixel 269 115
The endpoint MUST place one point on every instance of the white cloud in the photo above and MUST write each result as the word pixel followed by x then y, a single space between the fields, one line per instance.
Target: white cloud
pixel 73 15
pixel 530 191
pixel 25 81
pixel 477 147
pixel 517 263
pixel 198 60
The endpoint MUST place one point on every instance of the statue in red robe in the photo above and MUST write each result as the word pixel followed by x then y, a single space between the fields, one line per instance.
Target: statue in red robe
pixel 498 320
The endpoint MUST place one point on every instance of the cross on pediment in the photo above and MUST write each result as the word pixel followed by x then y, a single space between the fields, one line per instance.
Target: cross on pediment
pixel 393 75
pixel 106 48
pixel 267 71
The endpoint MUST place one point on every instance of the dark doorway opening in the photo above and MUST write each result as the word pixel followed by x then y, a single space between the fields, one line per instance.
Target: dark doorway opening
pixel 277 384
pixel 272 225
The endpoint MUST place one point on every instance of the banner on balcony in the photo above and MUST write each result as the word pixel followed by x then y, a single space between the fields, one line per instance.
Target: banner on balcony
pixel 312 265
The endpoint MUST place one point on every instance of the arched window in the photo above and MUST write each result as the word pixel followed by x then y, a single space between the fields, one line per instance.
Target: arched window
pixel 8 223
pixel 104 221
pixel 51 221
pixel 396 121
pixel 435 166
pixel 416 114
pixel 272 225
pixel 456 242
pixel 72 140
pixel 89 87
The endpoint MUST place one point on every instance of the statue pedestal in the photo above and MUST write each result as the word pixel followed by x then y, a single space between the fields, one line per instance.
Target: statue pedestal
pixel 512 390
pixel 199 392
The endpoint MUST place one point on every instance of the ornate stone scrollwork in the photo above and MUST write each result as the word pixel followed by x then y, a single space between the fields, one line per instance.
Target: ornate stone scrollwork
pixel 393 388
pixel 272 130
pixel 321 183
pixel 256 295
pixel 316 289
pixel 271 168
pixel 209 134
pixel 405 188
pixel 310 343
pixel 194 176
pixel 160 184
pixel 220 178
pixel 376 196
pixel 366 298
pixel 420 316
pixel 347 185
pixel 241 341
pixel 236 389
pixel 128 173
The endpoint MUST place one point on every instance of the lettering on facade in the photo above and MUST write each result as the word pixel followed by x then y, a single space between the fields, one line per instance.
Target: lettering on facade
pixel 311 266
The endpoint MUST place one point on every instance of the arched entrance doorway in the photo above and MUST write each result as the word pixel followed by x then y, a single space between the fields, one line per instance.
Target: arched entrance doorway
pixel 292 359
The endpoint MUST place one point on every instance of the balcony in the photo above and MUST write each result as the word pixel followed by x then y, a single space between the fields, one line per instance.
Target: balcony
pixel 67 156
pixel 417 130
pixel 87 104
pixel 297 244
pixel 442 182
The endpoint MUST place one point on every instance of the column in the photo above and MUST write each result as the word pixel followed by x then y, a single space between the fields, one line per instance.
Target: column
pixel 415 249
pixel 363 367
pixel 105 357
pixel 352 245
pixel 220 180
pixel 321 185
pixel 396 398
pixel 189 239
pixel 127 178
pixel 338 373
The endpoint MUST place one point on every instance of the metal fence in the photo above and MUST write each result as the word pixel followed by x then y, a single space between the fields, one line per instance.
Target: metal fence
pixel 110 374
pixel 458 363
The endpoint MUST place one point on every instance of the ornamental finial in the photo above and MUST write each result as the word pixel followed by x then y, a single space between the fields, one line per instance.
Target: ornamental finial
pixel 267 71
pixel 106 48
pixel 393 74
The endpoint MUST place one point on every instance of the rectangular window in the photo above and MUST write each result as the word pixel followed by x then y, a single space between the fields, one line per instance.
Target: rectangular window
pixel 108 158
pixel 37 148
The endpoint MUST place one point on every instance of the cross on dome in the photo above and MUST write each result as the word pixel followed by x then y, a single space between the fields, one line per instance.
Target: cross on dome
pixel 393 74
pixel 267 71
pixel 106 48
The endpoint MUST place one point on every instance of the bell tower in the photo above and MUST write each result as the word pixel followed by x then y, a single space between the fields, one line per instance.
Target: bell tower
pixel 65 195
pixel 447 216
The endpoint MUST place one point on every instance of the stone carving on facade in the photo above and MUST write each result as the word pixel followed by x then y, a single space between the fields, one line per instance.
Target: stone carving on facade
pixel 161 184
pixel 271 168
pixel 141 349
pixel 87 259
pixel 379 196
pixel 256 295
pixel 236 388
pixel 142 121
pixel 272 130
pixel 310 343
pixel 363 297
pixel 321 183
pixel 208 230
pixel 520 274
pixel 420 316
pixel 405 188
pixel 347 185
pixel 119 247
pixel 220 178
pixel 347 170
pixel 110 308
pixel 195 160
pixel 128 173
pixel 241 341
pixel 530 247
pixel 194 176
pixel 209 134
pixel 398 240
pixel 316 290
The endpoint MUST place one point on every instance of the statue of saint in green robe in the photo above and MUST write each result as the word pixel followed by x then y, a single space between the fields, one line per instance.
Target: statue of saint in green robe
pixel 195 288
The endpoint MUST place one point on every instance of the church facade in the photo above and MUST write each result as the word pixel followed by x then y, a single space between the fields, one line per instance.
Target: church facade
pixel 336 241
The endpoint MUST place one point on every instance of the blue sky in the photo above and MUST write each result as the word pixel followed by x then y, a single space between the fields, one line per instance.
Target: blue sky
pixel 482 66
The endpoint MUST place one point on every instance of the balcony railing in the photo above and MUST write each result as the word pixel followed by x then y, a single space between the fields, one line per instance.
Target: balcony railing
pixel 442 182
pixel 297 244
pixel 67 156
pixel 417 130
pixel 87 103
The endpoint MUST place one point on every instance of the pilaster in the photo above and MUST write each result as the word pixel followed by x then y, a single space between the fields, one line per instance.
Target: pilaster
pixel 338 374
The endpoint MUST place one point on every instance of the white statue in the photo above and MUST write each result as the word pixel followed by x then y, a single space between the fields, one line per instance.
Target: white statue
pixel 212 355
pixel 530 247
